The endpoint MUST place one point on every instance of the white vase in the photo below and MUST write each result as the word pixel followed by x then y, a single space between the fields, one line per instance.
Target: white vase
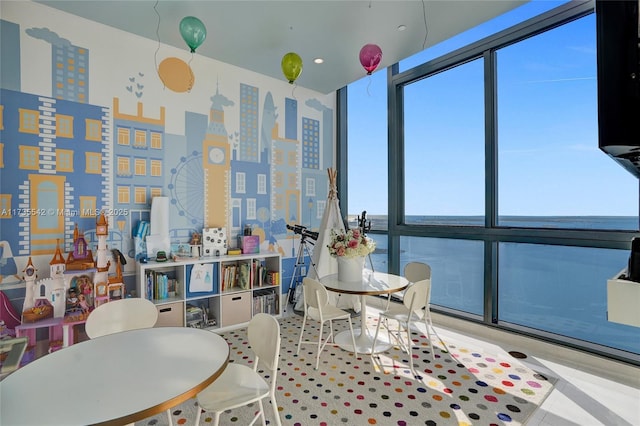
pixel 350 269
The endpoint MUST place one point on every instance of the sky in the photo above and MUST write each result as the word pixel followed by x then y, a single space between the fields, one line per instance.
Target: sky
pixel 549 160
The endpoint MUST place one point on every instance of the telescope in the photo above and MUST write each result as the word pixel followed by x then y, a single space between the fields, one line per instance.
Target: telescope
pixel 303 231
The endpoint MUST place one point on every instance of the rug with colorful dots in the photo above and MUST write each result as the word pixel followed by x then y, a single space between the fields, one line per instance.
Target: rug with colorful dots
pixel 457 385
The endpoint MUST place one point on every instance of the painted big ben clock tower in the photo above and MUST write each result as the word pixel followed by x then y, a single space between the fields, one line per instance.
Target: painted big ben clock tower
pixel 216 164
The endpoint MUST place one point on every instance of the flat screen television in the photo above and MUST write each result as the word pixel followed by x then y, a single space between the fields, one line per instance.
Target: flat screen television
pixel 618 56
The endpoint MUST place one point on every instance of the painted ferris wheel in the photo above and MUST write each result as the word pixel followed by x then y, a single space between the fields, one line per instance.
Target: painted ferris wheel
pixel 187 188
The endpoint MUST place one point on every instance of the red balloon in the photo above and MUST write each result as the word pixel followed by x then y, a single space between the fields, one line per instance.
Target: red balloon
pixel 370 57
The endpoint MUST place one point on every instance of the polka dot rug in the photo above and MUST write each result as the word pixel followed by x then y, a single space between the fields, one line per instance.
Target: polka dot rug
pixel 462 386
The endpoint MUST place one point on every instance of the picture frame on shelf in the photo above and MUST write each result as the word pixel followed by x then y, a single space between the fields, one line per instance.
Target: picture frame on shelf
pixel 182 251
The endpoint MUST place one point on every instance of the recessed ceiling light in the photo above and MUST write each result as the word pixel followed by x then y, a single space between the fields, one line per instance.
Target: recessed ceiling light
pixel 318 60
pixel 402 27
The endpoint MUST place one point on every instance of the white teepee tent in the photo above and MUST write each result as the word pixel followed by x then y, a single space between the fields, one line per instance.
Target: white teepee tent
pixel 325 263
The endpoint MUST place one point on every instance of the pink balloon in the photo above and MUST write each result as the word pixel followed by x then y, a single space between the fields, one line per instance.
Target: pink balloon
pixel 370 57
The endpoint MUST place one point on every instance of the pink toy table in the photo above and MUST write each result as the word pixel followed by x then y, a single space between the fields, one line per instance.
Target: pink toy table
pixel 29 329
pixel 58 330
pixel 67 336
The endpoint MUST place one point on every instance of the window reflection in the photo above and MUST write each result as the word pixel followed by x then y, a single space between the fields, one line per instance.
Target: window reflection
pixel 457 268
pixel 562 290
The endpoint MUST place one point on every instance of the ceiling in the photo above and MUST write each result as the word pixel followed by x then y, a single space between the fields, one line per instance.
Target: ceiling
pixel 255 35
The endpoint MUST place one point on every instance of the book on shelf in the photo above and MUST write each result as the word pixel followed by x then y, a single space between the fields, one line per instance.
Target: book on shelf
pixel 273 277
pixel 230 276
pixel 266 303
pixel 258 273
pixel 160 286
pixel 244 271
pixel 271 303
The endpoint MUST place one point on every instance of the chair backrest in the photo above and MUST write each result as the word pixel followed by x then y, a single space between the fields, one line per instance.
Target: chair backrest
pixel 15 348
pixel 263 333
pixel 121 315
pixel 416 271
pixel 315 294
pixel 417 296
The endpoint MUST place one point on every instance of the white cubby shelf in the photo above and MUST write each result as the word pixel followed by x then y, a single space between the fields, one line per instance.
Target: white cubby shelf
pixel 216 293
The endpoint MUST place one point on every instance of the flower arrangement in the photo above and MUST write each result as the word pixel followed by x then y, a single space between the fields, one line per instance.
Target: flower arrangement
pixel 350 244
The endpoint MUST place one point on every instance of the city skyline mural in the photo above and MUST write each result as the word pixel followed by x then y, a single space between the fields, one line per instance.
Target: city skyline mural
pixel 86 128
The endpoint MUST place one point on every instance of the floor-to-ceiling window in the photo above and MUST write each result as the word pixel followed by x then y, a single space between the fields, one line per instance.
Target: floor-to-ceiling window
pixel 547 136
pixel 495 178
pixel 367 159
pixel 443 162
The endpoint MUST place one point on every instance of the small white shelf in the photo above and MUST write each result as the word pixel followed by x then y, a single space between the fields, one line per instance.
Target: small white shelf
pixel 230 307
pixel 623 301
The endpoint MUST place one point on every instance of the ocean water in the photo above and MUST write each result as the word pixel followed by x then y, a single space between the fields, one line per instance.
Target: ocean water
pixel 557 289
pixel 621 223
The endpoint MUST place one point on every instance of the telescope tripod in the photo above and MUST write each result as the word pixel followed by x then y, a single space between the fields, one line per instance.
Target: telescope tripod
pixel 364 228
pixel 302 250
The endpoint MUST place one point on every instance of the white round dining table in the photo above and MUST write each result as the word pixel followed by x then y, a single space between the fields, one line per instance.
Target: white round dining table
pixel 372 284
pixel 114 379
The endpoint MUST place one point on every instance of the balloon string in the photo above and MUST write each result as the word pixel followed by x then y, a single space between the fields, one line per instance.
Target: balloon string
pixel 426 28
pixel 293 90
pixel 191 78
pixel 369 85
pixel 155 57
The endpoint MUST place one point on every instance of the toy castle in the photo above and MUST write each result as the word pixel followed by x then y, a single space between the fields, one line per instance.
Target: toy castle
pixel 75 285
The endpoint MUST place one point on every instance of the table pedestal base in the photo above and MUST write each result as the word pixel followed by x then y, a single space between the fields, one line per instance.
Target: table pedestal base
pixel 364 341
pixel 373 283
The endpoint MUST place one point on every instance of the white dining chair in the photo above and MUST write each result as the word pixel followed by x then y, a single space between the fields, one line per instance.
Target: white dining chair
pixel 121 315
pixel 417 271
pixel 414 308
pixel 317 307
pixel 240 385
pixel 413 272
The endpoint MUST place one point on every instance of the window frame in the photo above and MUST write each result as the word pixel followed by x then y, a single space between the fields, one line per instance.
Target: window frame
pixel 490 234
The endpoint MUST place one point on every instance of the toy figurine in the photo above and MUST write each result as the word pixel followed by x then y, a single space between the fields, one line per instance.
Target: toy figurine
pixel 82 303
pixel 72 301
pixel 195 239
pixel 86 289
